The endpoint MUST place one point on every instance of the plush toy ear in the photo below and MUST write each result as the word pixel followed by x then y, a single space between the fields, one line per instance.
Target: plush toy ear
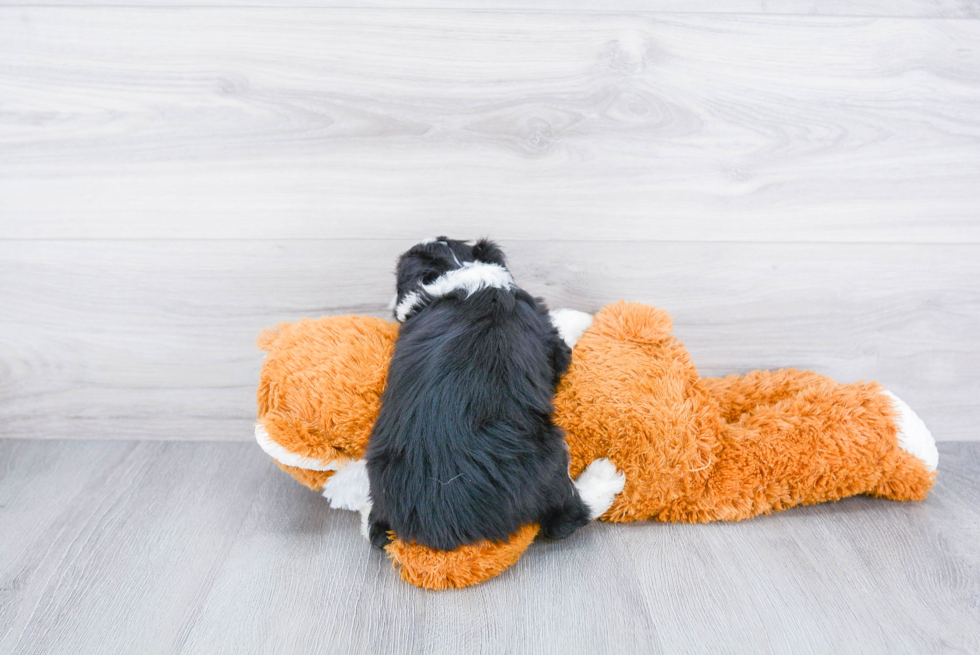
pixel 488 252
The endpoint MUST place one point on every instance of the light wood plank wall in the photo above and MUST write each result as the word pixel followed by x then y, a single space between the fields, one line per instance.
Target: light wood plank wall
pixel 874 8
pixel 798 190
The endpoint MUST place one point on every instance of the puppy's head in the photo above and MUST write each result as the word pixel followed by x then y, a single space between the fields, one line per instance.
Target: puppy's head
pixel 428 260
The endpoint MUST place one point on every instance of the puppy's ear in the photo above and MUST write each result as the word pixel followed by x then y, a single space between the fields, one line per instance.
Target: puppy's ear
pixel 488 252
pixel 418 267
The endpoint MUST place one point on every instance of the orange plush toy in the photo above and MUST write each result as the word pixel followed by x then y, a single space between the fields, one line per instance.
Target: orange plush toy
pixel 692 449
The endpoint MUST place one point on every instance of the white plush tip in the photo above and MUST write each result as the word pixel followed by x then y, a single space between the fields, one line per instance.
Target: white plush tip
pixel 913 435
pixel 349 488
pixel 598 486
pixel 365 523
pixel 283 456
pixel 571 324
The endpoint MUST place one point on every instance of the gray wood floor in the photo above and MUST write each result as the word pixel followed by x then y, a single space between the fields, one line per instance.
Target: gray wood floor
pixel 142 547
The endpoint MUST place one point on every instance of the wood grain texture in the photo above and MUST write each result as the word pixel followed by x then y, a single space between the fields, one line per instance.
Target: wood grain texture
pixel 300 123
pixel 112 547
pixel 120 339
pixel 895 8
pixel 123 547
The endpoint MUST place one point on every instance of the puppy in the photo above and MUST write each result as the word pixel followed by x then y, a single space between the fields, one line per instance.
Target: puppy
pixel 464 447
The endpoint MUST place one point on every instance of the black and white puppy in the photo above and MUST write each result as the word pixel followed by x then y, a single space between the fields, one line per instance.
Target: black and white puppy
pixel 465 448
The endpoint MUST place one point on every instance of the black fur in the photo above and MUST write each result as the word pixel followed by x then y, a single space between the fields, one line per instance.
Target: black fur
pixel 464 447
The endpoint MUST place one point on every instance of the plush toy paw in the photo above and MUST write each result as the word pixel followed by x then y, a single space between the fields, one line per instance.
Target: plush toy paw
pixel 598 486
pixel 571 324
pixel 366 521
pixel 348 488
pixel 913 435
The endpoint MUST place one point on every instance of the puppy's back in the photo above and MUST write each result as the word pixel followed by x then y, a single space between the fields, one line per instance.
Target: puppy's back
pixel 464 443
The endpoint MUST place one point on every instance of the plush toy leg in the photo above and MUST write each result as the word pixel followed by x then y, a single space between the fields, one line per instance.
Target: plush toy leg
pixel 795 437
pixel 913 435
pixel 739 394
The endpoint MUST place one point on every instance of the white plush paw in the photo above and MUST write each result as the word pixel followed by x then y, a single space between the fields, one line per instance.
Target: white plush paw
pixel 365 524
pixel 913 435
pixel 571 324
pixel 598 486
pixel 348 488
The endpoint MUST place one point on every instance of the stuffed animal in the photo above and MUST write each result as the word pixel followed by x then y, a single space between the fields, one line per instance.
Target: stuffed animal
pixel 692 449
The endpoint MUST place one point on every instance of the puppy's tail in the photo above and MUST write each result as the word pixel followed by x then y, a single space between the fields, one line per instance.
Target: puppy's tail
pixel 462 567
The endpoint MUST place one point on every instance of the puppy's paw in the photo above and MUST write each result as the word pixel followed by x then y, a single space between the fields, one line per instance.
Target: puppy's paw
pixel 598 486
pixel 571 324
pixel 378 533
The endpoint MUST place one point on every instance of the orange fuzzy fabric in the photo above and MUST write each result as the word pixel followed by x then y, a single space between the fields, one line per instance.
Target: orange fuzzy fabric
pixel 320 388
pixel 467 565
pixel 693 449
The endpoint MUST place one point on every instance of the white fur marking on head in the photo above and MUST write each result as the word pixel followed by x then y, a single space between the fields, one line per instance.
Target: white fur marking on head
pixel 348 488
pixel 571 324
pixel 283 456
pixel 406 306
pixel 470 277
pixel 913 435
pixel 598 485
